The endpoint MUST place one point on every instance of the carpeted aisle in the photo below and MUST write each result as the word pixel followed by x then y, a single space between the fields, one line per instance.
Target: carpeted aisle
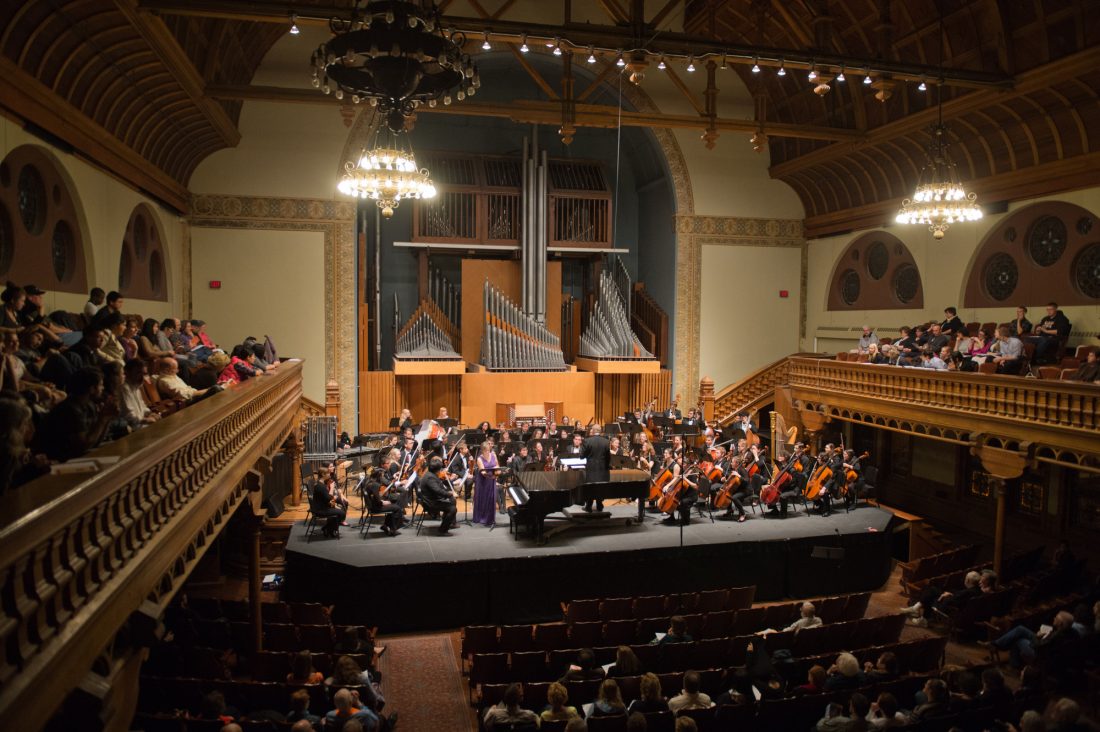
pixel 424 684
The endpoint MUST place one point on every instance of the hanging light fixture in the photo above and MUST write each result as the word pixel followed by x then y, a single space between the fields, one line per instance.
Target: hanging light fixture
pixel 840 76
pixel 294 29
pixel 386 171
pixel 661 65
pixel 591 55
pixel 621 62
pixel 813 73
pixel 557 46
pixel 782 71
pixel 523 48
pixel 486 46
pixel 755 65
pixel 867 76
pixel 395 55
pixel 922 86
pixel 691 64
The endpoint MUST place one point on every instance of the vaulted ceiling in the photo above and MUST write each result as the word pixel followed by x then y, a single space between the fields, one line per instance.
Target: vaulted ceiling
pixel 128 86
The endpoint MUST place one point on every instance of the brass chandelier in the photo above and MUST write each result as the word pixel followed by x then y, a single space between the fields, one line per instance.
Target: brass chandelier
pixel 940 198
pixel 386 172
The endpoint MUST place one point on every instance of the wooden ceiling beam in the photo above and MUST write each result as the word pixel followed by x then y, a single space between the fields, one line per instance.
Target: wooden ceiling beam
pixel 1039 78
pixel 176 62
pixel 32 101
pixel 532 112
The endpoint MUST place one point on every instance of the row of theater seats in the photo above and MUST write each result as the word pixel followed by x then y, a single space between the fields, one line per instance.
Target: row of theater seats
pixel 714 624
pixel 301 613
pixel 202 662
pixel 953 566
pixel 919 658
pixel 709 653
pixel 940 563
pixel 284 637
pixel 650 606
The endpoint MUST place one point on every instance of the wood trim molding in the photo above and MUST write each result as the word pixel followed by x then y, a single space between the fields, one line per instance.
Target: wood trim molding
pixel 27 99
pixel 692 232
pixel 336 221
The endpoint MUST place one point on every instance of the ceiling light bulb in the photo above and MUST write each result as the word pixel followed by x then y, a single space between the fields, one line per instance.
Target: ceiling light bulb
pixel 661 64
pixel 620 63
pixel 294 29
pixel 523 46
pixel 557 46
pixel 782 71
pixel 867 77
pixel 691 64
pixel 813 74
pixel 840 76
pixel 485 46
pixel 923 86
pixel 755 66
pixel 591 56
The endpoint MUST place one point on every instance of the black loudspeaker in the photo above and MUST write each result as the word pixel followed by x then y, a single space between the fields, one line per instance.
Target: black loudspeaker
pixel 274 507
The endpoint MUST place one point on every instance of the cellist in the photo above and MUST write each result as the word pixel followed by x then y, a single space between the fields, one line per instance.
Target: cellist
pixel 853 486
pixel 688 490
pixel 797 484
pixel 740 492
pixel 830 459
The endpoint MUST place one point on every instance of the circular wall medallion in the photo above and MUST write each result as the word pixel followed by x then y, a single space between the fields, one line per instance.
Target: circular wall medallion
pixel 1086 271
pixel 1046 240
pixel 849 286
pixel 878 260
pixel 1000 275
pixel 906 283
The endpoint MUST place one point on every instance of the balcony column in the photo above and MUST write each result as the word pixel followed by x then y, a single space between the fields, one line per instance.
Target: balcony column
pixel 706 397
pixel 1002 465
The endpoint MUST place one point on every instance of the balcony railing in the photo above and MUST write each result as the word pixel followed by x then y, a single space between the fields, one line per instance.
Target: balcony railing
pixel 80 554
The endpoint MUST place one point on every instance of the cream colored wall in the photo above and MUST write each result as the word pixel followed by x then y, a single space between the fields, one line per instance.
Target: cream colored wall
pixel 943 266
pixel 744 324
pixel 105 205
pixel 272 285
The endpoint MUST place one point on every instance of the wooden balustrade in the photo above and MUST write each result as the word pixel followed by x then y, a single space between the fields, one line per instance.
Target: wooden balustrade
pixel 753 391
pixel 1064 414
pixel 84 556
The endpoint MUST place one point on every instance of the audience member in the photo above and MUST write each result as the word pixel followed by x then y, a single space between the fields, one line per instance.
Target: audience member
pixel 866 340
pixel 815 681
pixel 884 669
pixel 132 404
pixel 1050 334
pixel 929 359
pixel 557 709
pixel 936 701
pixel 938 338
pixel 112 306
pixel 690 697
pixel 650 697
pixel 576 725
pixel 808 618
pixel 299 709
pixel 1024 645
pixel 677 632
pixel 79 423
pixel 302 671
pixel 96 298
pixel 608 700
pixel 626 663
pixel 584 668
pixel 171 386
pixel 952 325
pixel 1010 352
pixel 17 466
pixel 636 722
pixel 1032 721
pixel 346 701
pixel 845 674
pixel 18 377
pixel 1089 371
pixel 884 713
pixel 1021 325
pixel 685 724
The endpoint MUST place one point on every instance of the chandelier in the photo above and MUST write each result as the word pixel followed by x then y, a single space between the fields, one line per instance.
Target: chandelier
pixel 386 172
pixel 940 199
pixel 394 55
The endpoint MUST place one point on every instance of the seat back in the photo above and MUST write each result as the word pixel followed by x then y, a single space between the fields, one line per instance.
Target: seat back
pixel 585 635
pixel 582 610
pixel 551 635
pixel 479 639
pixel 616 608
pixel 529 666
pixel 620 632
pixel 749 620
pixel 741 597
pixel 516 637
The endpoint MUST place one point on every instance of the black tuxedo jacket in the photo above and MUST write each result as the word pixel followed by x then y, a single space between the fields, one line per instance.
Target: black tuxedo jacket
pixel 596 451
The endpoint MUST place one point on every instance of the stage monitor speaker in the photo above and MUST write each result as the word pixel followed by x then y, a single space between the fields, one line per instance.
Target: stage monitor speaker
pixel 274 507
pixel 827 552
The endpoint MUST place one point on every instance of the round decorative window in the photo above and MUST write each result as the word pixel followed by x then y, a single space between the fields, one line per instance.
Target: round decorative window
pixel 849 286
pixel 32 199
pixel 906 283
pixel 125 268
pixel 1046 241
pixel 878 260
pixel 1086 271
pixel 7 241
pixel 63 252
pixel 156 273
pixel 1000 276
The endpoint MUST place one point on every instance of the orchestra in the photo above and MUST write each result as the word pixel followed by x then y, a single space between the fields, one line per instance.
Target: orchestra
pixel 720 470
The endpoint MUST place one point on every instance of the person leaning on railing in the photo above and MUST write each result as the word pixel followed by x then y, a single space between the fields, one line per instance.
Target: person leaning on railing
pixel 171 386
pixel 1089 371
pixel 79 423
pixel 1010 351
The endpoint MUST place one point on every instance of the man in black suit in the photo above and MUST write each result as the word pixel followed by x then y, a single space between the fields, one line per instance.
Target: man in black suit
pixel 596 450
pixel 673 411
pixel 438 496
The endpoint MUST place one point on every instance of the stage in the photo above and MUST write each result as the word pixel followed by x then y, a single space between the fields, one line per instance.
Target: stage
pixel 478 575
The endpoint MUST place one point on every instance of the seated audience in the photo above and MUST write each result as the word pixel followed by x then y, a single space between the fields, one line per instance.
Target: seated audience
pixel 346 702
pixel 1010 352
pixel 884 713
pixel 937 339
pixel 930 359
pixel 132 397
pixel 907 346
pixel 866 340
pixel 584 668
pixel 650 698
pixel 112 306
pixel 79 423
pixel 815 681
pixel 17 464
pixel 557 709
pixel 576 725
pixel 1021 325
pixel 214 707
pixel 677 632
pixel 844 674
pixel 96 298
pixel 974 584
pixel 302 671
pixel 808 618
pixel 17 377
pixel 685 724
pixel 626 663
pixel 171 386
pixel 952 324
pixel 1089 371
pixel 510 709
pixel 690 697
pixel 636 722
pixel 299 709
pixel 936 701
pixel 608 700
pixel 356 639
pixel 1050 335
pixel 149 346
pixel 884 669
pixel 346 672
pixel 995 694
pixel 1025 645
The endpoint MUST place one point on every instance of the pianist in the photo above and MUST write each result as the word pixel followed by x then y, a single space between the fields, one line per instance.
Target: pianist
pixel 596 451
pixel 437 496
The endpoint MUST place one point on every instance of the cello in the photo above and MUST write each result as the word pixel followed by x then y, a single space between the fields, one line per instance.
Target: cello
pixel 725 496
pixel 769 494
pixel 851 475
pixel 670 496
pixel 822 474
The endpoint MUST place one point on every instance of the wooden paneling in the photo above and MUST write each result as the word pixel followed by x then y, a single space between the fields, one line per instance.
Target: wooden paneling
pixel 505 275
pixel 377 400
pixel 424 395
pixel 481 392
pixel 618 393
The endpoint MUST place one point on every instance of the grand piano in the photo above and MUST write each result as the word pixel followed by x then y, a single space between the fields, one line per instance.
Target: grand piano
pixel 540 495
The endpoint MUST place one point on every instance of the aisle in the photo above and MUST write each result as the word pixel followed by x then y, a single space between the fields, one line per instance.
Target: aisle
pixel 424 685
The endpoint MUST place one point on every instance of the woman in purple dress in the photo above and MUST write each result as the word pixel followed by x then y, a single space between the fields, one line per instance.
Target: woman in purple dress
pixel 485 486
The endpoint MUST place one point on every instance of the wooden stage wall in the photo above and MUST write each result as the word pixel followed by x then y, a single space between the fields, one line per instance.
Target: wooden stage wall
pixel 473 397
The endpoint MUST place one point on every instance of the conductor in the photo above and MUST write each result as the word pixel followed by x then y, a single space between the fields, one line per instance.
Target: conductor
pixel 596 450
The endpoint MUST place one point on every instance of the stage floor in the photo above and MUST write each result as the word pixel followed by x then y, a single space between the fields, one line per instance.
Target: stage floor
pixel 477 542
pixel 478 575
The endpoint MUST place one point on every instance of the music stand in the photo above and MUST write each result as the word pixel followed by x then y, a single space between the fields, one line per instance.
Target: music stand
pixel 395 424
pixel 447 423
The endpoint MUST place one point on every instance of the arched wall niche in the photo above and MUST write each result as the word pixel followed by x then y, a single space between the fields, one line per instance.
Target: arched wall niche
pixel 876 272
pixel 1048 250
pixel 142 269
pixel 42 236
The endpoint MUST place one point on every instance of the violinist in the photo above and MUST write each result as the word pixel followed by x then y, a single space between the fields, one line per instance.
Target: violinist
pixel 852 478
pixel 394 510
pixel 325 476
pixel 409 450
pixel 438 496
pixel 324 505
pixel 458 471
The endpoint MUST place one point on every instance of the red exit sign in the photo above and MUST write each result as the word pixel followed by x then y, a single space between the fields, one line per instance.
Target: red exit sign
pixel 215 284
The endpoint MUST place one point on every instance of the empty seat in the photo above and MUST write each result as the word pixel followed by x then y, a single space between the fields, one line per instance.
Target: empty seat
pixel 614 723
pixel 489 668
pixel 717 624
pixel 649 627
pixel 741 597
pixel 276 612
pixel 549 636
pixel 712 601
pixel 620 632
pixel 516 638
pixel 660 722
pixel 317 638
pixel 281 637
pixel 529 666
pixel 209 608
pixel 582 611
pixel 749 620
pixel 585 635
pixel 649 606
pixel 309 613
pixel 616 608
pixel 534 695
pixel 478 639
pixel 236 609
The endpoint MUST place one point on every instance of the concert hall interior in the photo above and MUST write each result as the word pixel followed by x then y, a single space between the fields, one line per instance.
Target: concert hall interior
pixel 567 364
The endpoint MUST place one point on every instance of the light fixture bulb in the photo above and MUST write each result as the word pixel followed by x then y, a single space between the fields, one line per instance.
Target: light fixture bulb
pixel 840 76
pixel 922 86
pixel 691 64
pixel 782 71
pixel 523 45
pixel 486 46
pixel 813 74
pixel 867 77
pixel 591 55
pixel 294 29
pixel 620 63
pixel 661 64
pixel 756 65
pixel 557 46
